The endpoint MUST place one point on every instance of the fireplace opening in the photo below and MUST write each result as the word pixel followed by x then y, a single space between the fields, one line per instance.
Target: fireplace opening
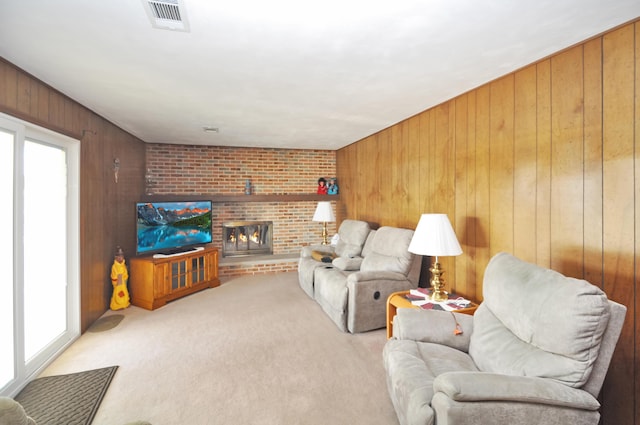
pixel 240 238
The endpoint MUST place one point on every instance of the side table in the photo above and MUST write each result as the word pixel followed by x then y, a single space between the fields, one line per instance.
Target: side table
pixel 399 300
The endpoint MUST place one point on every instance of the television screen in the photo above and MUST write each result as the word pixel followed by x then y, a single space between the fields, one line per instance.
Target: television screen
pixel 169 227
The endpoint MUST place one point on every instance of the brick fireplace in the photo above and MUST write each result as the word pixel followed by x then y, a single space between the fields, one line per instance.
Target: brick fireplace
pixel 220 173
pixel 244 238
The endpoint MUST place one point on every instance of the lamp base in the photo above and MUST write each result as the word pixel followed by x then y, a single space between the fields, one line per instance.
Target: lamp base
pixel 437 284
pixel 325 241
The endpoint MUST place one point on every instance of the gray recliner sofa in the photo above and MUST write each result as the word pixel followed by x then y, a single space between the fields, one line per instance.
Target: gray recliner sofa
pixel 536 352
pixel 352 237
pixel 353 291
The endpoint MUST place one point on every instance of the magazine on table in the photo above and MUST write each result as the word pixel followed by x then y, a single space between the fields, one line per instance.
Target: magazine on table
pixel 421 297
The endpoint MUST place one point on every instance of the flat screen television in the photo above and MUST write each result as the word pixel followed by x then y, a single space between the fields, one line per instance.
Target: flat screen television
pixel 171 227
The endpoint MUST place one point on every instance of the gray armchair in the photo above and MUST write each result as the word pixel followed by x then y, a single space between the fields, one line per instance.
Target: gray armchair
pixel 354 294
pixel 536 352
pixel 352 236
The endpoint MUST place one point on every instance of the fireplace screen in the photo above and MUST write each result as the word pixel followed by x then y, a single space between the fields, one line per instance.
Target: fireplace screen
pixel 247 238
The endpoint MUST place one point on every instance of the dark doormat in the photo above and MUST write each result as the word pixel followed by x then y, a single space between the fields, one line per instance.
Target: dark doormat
pixel 66 399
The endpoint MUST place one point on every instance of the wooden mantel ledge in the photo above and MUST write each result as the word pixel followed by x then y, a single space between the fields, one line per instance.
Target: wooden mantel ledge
pixel 242 198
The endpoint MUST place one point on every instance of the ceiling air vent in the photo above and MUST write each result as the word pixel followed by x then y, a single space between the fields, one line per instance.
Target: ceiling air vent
pixel 167 14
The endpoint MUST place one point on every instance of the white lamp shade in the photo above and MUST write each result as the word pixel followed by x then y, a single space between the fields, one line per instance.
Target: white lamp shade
pixel 324 212
pixel 434 237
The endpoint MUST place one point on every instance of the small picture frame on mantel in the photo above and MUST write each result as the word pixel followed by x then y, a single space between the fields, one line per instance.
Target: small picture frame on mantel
pixel 332 186
pixel 322 186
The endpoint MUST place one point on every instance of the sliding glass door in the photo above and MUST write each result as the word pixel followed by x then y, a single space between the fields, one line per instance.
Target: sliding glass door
pixel 45 259
pixel 40 314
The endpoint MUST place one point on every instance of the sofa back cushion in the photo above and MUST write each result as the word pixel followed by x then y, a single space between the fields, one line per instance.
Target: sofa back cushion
pixel 353 234
pixel 366 249
pixel 388 251
pixel 536 322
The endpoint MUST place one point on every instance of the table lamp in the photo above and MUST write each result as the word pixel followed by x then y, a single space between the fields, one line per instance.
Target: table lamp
pixel 435 237
pixel 324 213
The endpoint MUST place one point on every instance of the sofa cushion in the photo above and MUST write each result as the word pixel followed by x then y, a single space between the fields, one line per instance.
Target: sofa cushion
pixel 353 234
pixel 536 322
pixel 366 249
pixel 389 251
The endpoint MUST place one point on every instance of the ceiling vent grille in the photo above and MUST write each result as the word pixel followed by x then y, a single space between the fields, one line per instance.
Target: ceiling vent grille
pixel 166 14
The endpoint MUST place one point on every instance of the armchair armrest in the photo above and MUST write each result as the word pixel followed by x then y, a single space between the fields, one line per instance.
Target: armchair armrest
pixel 492 387
pixel 434 326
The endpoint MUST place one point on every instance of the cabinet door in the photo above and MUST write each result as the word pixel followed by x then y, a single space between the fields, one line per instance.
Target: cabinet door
pixel 179 274
pixel 161 280
pixel 198 269
pixel 212 265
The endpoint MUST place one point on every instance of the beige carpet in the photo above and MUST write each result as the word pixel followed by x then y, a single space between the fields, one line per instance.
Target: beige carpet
pixel 256 350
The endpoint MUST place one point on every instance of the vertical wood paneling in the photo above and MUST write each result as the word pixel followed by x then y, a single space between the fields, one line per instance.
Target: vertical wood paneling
pixel 413 174
pixel 467 233
pixel 483 185
pixel 423 163
pixel 349 181
pixel 93 254
pixel 433 162
pixel 542 163
pixel 524 182
pixel 450 193
pixel 501 165
pixel 387 178
pixel 441 159
pixel 618 212
pixel 56 109
pixel 593 162
pixel 68 113
pixel 399 176
pixel 361 184
pixel 24 94
pixel 34 94
pixel 346 166
pixel 369 191
pixel 460 284
pixel 567 151
pixel 431 205
pixel 10 87
pixel 636 277
pixel 3 83
pixel 43 103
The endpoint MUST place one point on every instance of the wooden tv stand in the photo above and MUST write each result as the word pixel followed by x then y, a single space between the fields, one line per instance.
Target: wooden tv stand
pixel 155 281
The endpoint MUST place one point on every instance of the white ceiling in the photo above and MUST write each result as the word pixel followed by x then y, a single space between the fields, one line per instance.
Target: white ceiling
pixel 286 73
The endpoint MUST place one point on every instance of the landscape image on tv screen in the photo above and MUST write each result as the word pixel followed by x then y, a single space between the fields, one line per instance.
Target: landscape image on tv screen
pixel 172 226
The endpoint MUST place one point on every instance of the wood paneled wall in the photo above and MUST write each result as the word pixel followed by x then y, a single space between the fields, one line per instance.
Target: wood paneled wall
pixel 107 208
pixel 543 163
